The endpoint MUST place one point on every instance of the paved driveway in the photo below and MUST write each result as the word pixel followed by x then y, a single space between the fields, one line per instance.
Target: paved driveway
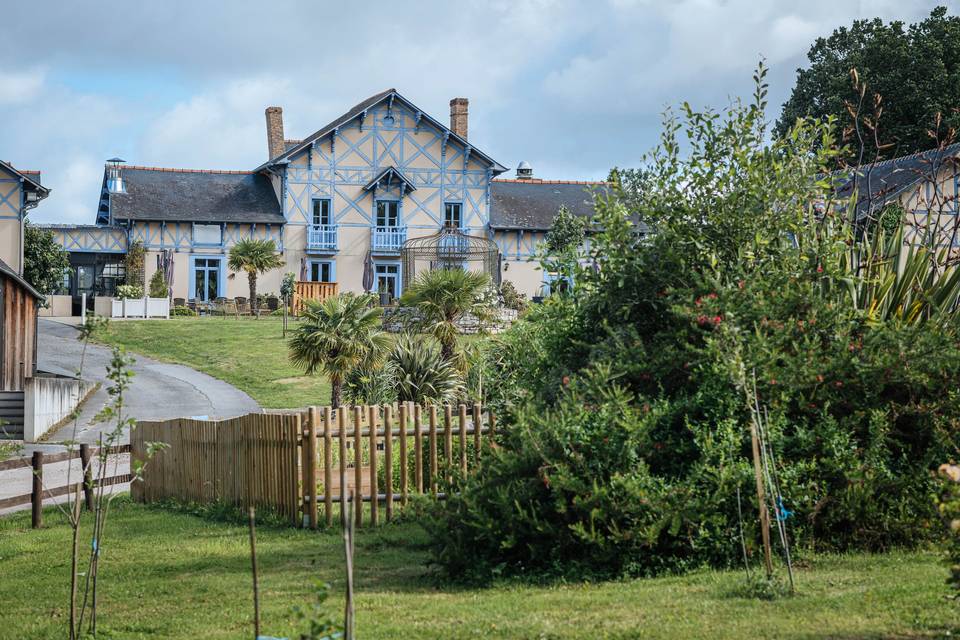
pixel 158 391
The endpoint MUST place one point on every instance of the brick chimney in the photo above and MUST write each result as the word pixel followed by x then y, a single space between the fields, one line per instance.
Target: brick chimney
pixel 458 116
pixel 275 144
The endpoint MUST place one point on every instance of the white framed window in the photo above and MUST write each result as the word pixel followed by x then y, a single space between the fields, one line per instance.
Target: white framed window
pixel 321 211
pixel 453 214
pixel 208 234
pixel 388 213
pixel 387 278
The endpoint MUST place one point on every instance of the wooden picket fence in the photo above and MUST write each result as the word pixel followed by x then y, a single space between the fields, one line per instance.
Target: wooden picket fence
pixel 300 464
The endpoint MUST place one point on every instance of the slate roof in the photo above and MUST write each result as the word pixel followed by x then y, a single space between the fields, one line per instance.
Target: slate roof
pixel 31 178
pixel 186 195
pixel 881 182
pixel 358 109
pixel 532 204
pixel 8 272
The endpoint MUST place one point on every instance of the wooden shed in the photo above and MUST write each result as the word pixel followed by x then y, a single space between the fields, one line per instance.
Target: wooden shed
pixel 18 329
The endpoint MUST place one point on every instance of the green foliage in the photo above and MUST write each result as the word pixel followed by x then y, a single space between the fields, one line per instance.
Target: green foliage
pixel 133 264
pixel 44 261
pixel 442 297
pixel 371 384
pixel 511 298
pixel 421 374
pixel 650 352
pixel 915 68
pixel 316 616
pixel 158 285
pixel 288 285
pixel 338 335
pixel 129 291
pixel 183 311
pixel 949 506
pixel 567 231
pixel 255 257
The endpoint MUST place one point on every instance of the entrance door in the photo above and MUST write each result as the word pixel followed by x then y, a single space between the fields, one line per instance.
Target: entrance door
pixel 206 279
pixel 388 278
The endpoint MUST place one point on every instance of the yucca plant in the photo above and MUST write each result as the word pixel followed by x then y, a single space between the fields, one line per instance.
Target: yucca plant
pixel 422 373
pixel 890 278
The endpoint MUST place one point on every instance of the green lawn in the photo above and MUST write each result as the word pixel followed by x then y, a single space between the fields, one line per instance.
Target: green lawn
pixel 249 354
pixel 168 574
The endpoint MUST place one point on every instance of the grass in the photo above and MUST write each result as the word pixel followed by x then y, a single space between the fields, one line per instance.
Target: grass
pixel 169 574
pixel 249 354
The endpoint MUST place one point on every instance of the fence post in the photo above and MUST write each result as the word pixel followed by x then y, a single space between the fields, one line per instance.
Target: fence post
pixel 87 476
pixel 342 434
pixel 462 418
pixel 477 428
pixel 374 489
pixel 388 458
pixel 310 473
pixel 357 466
pixel 327 468
pixel 448 441
pixel 36 494
pixel 418 448
pixel 404 416
pixel 433 449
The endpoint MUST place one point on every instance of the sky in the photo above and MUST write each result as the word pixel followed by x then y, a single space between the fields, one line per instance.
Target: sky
pixel 573 88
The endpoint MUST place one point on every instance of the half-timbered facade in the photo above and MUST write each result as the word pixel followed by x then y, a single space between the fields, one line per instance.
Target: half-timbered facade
pixel 340 200
pixel 20 191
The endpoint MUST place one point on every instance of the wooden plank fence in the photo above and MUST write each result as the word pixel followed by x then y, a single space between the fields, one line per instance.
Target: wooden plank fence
pixel 303 465
pixel 304 291
pixel 38 493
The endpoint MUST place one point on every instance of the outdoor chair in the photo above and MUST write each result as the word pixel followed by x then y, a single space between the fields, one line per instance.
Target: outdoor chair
pixel 243 308
pixel 179 302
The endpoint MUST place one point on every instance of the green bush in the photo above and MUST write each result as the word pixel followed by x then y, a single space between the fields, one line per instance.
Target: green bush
pixel 129 291
pixel 158 285
pixel 511 298
pixel 183 311
pixel 657 351
pixel 949 505
pixel 421 374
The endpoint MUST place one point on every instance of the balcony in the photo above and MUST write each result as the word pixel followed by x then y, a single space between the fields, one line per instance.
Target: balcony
pixel 323 237
pixel 387 239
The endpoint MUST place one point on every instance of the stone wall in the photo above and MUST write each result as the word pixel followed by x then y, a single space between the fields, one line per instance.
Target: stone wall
pixel 396 319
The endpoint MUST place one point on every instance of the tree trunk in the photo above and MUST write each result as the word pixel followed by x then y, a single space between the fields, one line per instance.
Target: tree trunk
pixel 252 278
pixel 336 391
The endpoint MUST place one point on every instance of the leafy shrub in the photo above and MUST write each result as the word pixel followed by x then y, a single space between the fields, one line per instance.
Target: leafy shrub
pixel 949 505
pixel 512 299
pixel 421 374
pixel 158 285
pixel 183 311
pixel 373 383
pixel 743 285
pixel 129 291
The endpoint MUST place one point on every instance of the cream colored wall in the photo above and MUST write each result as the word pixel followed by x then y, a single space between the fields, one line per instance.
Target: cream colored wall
pixel 57 307
pixel 10 198
pixel 10 242
pixel 525 275
pixel 934 209
pixel 340 171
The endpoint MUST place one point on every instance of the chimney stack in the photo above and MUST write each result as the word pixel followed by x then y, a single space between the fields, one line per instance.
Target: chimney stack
pixel 275 145
pixel 458 116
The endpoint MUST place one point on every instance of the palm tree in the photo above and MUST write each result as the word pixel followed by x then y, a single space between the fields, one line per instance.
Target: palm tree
pixel 255 257
pixel 443 296
pixel 337 335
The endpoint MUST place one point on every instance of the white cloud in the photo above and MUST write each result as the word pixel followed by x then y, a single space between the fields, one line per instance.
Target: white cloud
pixel 18 87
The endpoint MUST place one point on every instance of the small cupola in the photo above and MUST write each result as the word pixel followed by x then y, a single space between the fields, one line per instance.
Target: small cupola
pixel 524 171
pixel 115 175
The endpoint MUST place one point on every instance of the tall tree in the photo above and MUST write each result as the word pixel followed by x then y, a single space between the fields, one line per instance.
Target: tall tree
pixel 255 257
pixel 336 336
pixel 915 69
pixel 44 261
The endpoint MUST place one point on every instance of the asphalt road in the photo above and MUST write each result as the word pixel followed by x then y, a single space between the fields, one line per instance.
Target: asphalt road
pixel 158 391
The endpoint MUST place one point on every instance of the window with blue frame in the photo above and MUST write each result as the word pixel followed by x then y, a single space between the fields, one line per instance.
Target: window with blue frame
pixel 387 278
pixel 321 271
pixel 321 211
pixel 453 215
pixel 206 275
pixel 388 213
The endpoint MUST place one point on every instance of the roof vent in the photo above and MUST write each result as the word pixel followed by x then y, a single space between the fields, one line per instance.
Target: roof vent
pixel 115 176
pixel 524 171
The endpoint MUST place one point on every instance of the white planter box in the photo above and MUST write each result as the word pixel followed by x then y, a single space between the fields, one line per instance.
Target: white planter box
pixel 140 308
